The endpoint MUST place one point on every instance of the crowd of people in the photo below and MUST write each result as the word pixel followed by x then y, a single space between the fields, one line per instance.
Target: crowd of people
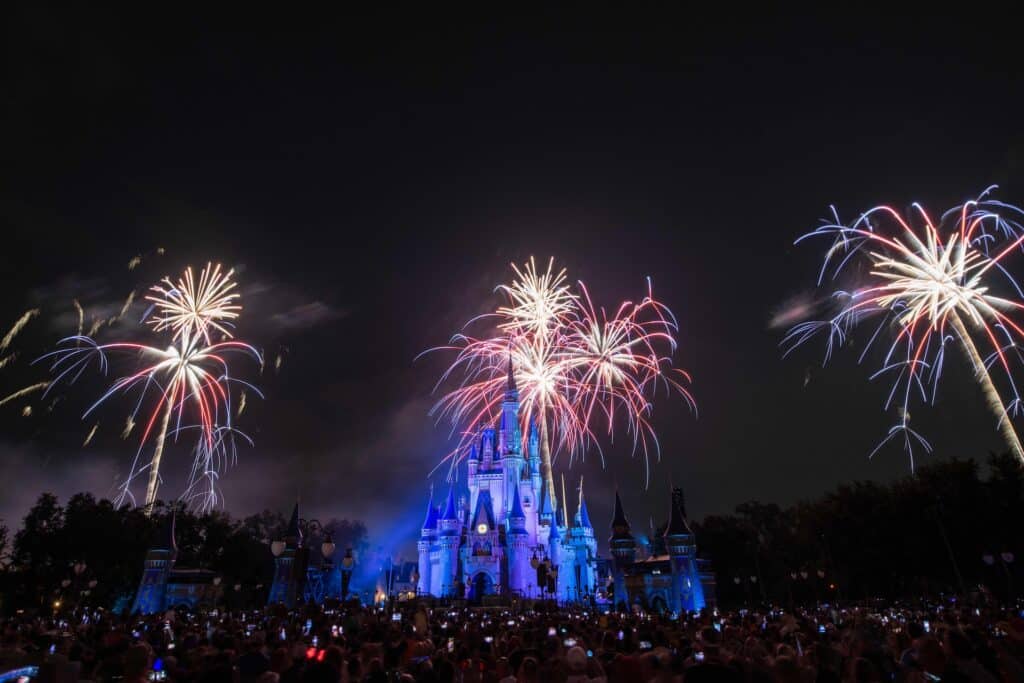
pixel 860 644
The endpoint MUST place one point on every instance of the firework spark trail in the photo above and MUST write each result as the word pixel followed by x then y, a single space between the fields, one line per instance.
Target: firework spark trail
pixel 39 386
pixel 26 411
pixel 241 404
pixel 571 366
pixel 7 360
pixel 129 425
pixel 97 323
pixel 934 284
pixel 134 262
pixel 190 374
pixel 19 325
pixel 92 433
pixel 127 305
pixel 81 316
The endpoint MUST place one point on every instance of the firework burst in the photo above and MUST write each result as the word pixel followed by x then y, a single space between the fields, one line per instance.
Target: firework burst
pixel 931 286
pixel 574 366
pixel 195 307
pixel 183 387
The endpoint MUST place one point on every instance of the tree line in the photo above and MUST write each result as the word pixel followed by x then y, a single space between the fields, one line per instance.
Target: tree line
pixel 952 527
pixel 108 545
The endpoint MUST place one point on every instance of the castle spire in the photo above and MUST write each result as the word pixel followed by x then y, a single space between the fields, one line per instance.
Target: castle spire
pixel 620 526
pixel 431 521
pixel 565 504
pixel 517 507
pixel 510 384
pixel 294 532
pixel 582 518
pixel 547 506
pixel 449 509
pixel 677 525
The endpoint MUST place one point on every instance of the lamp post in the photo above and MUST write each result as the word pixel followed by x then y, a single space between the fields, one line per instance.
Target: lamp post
pixel 347 564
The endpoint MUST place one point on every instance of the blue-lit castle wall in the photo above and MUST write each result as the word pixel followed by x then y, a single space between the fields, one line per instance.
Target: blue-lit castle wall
pixel 675 580
pixel 165 586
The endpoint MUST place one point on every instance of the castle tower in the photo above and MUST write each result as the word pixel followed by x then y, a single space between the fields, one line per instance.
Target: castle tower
pixel 152 594
pixel 545 517
pixel 472 464
pixel 555 554
pixel 428 536
pixel 519 569
pixel 510 444
pixel 585 549
pixel 687 591
pixel 510 439
pixel 449 530
pixel 623 550
pixel 286 583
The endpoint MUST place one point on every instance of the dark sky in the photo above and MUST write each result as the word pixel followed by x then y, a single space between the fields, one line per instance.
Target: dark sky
pixel 371 177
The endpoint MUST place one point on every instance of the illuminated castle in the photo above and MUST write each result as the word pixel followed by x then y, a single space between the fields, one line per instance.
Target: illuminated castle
pixel 507 537
pixel 672 578
pixel 164 585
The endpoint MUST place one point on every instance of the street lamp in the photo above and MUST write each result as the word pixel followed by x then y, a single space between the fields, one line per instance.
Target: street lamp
pixel 347 563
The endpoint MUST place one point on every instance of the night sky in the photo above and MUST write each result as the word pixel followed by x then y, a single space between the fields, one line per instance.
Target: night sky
pixel 372 177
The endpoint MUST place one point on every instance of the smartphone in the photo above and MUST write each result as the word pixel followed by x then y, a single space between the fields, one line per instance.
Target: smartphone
pixel 315 641
pixel 569 642
pixel 283 635
pixel 621 635
pixel 927 626
pixel 698 656
pixel 170 646
pixel 451 645
pixel 309 625
pixel 590 653
pixel 488 639
pixel 334 630
pixel 53 648
pixel 397 616
pixel 510 623
pixel 645 645
pixel 718 626
pixel 551 632
pixel 821 628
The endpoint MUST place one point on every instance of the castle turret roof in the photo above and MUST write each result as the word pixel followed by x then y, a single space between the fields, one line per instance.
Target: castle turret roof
pixel 431 521
pixel 677 525
pixel 620 525
pixel 517 507
pixel 294 532
pixel 583 517
pixel 449 508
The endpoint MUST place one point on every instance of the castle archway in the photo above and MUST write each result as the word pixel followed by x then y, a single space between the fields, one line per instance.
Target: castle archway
pixel 482 585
